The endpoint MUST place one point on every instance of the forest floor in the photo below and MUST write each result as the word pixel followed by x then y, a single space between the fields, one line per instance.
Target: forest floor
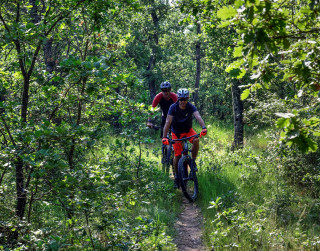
pixel 189 228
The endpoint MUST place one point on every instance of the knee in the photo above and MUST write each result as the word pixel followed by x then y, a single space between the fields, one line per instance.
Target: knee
pixel 195 141
pixel 176 158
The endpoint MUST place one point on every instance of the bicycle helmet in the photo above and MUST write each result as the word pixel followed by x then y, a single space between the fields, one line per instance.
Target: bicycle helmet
pixel 165 85
pixel 183 93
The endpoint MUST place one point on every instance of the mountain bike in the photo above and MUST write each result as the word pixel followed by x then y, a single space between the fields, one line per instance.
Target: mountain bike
pixel 167 155
pixel 187 171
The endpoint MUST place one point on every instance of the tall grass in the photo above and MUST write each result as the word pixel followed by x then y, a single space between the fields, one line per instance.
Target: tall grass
pixel 159 200
pixel 247 201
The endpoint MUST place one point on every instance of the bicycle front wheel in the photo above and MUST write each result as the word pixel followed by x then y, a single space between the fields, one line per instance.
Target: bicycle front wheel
pixel 187 178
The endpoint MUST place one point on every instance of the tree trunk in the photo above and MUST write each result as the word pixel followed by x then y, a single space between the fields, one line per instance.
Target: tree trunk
pixel 198 71
pixel 152 61
pixel 47 48
pixel 34 12
pixel 150 78
pixel 21 193
pixel 49 56
pixel 2 99
pixel 20 189
pixel 237 115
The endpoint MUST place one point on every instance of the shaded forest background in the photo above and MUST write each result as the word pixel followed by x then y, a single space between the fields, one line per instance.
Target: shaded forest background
pixel 76 82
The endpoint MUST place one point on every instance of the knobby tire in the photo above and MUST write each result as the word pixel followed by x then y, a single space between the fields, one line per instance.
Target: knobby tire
pixel 169 159
pixel 166 161
pixel 187 178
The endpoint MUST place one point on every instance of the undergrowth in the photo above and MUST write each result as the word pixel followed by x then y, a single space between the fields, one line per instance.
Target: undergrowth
pixel 261 197
pixel 120 201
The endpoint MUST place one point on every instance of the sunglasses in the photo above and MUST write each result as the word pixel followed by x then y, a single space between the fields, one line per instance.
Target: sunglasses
pixel 165 90
pixel 183 99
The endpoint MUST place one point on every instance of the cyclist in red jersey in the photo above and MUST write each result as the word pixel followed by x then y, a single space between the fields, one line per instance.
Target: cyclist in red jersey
pixel 180 119
pixel 165 99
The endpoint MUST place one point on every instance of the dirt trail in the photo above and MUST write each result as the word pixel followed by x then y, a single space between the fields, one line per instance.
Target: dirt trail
pixel 189 228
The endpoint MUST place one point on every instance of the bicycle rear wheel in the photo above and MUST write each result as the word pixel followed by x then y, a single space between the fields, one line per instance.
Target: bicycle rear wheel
pixel 169 159
pixel 166 153
pixel 187 178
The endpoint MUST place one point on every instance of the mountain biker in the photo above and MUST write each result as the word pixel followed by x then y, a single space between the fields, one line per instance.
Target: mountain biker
pixel 165 99
pixel 180 119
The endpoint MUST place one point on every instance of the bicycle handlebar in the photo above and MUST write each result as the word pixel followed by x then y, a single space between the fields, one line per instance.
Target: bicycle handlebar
pixel 172 141
pixel 155 127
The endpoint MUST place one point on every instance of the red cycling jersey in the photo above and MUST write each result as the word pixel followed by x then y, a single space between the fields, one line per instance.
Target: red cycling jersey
pixel 164 103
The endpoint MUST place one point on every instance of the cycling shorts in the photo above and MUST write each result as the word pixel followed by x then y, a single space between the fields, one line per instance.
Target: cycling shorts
pixel 177 146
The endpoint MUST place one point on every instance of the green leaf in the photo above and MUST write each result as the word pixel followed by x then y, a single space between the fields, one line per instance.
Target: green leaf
pixel 224 24
pixel 237 52
pixel 234 72
pixel 314 121
pixel 238 3
pixel 37 134
pixel 306 144
pixel 245 94
pixel 235 69
pixel 283 122
pixel 227 12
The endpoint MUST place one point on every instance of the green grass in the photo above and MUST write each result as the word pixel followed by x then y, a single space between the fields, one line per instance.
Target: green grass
pixel 150 147
pixel 258 208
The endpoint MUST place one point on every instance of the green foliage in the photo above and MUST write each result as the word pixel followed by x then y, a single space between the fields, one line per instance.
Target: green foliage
pixel 112 209
pixel 278 40
pixel 296 131
pixel 61 88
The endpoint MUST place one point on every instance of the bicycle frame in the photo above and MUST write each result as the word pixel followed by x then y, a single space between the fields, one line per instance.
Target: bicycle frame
pixel 185 145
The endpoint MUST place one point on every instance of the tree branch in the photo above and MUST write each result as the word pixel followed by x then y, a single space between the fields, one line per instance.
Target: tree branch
pixel 35 55
pixel 4 22
pixel 21 63
pixel 296 35
pixel 18 12
pixel 8 130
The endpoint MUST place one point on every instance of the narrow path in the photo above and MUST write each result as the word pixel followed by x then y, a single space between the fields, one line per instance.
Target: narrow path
pixel 188 226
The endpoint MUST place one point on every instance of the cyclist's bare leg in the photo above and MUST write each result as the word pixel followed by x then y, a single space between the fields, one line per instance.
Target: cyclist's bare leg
pixel 195 148
pixel 175 164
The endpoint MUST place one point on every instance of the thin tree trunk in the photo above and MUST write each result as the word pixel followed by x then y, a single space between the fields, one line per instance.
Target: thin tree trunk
pixel 20 183
pixel 237 115
pixel 70 211
pixel 47 48
pixel 21 192
pixel 152 61
pixel 49 56
pixel 139 162
pixel 2 99
pixel 198 71
pixel 33 193
pixel 150 78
